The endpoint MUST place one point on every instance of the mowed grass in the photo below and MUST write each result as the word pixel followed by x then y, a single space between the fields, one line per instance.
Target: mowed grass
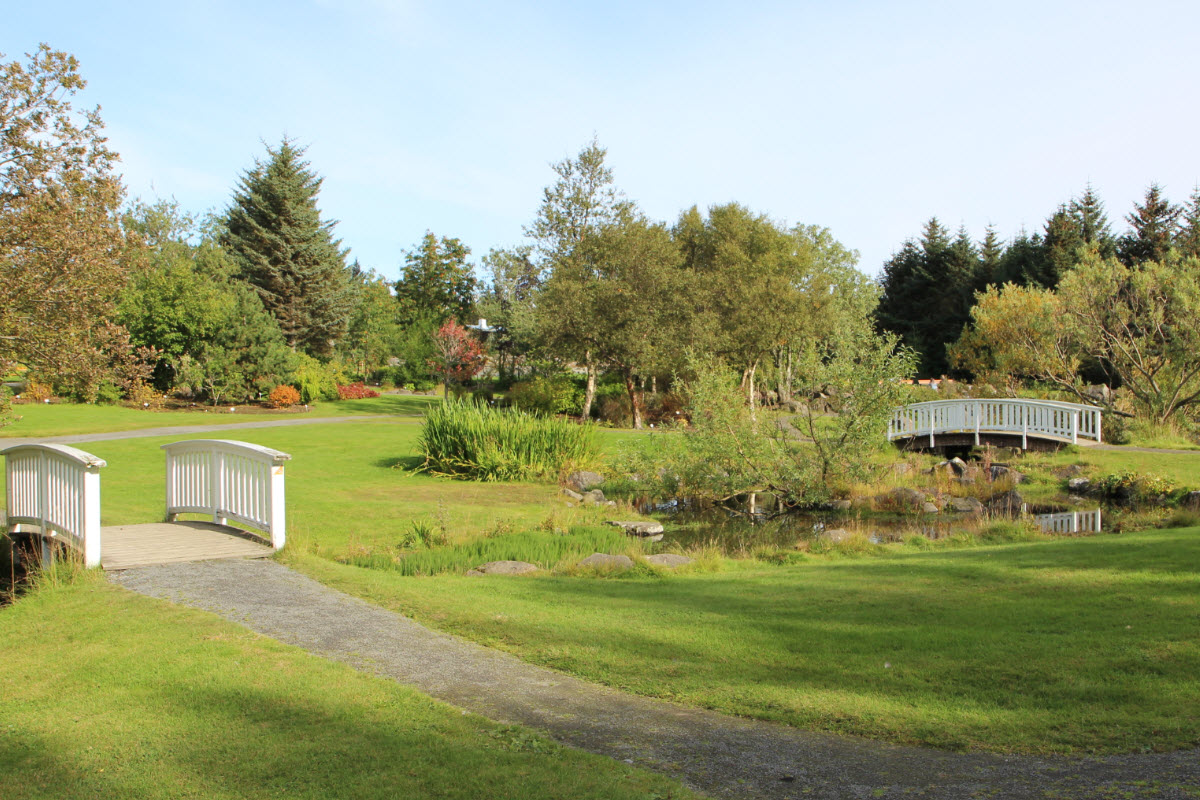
pixel 1081 645
pixel 110 694
pixel 61 419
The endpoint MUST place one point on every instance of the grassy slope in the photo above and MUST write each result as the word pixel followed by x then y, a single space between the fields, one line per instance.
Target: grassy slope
pixel 1067 645
pixel 109 694
pixel 66 418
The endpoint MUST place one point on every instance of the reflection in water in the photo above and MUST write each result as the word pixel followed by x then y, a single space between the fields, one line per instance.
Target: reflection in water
pixel 1070 522
pixel 759 522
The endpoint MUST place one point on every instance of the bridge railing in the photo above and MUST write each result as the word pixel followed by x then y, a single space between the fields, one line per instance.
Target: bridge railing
pixel 56 489
pixel 1040 418
pixel 229 480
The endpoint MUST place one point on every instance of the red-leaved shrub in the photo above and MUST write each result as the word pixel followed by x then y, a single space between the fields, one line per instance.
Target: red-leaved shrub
pixel 356 391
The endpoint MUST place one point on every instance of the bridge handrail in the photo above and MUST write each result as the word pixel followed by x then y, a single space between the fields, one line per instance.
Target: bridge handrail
pixel 1046 418
pixel 57 489
pixel 231 481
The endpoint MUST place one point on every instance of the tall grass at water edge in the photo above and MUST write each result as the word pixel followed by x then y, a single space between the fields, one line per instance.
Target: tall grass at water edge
pixel 470 440
pixel 547 549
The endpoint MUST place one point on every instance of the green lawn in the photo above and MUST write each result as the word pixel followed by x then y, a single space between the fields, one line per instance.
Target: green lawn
pixel 1065 645
pixel 344 491
pixel 110 694
pixel 60 419
pixel 1060 646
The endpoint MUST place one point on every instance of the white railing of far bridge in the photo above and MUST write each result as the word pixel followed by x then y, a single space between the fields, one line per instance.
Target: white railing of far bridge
pixel 1046 419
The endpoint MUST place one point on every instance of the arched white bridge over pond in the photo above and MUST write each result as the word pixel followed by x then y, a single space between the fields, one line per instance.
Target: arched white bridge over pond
pixel 1000 421
pixel 53 492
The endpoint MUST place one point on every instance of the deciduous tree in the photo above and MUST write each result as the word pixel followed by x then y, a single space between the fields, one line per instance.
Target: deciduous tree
pixel 61 243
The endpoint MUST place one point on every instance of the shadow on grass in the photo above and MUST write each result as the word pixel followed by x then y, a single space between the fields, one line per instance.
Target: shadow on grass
pixel 1052 646
pixel 412 405
pixel 407 463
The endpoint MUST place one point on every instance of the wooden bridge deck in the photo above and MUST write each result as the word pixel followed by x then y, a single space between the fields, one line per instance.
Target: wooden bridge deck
pixel 125 546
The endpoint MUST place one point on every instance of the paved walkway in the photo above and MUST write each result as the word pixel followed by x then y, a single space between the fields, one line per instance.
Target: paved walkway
pixel 722 756
pixel 184 430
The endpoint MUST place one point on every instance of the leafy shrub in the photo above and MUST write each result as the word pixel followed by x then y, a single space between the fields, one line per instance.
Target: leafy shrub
pixel 37 392
pixel 283 396
pixel 315 380
pixel 144 395
pixel 469 440
pixel 1128 486
pixel 355 391
pixel 556 395
pixel 107 394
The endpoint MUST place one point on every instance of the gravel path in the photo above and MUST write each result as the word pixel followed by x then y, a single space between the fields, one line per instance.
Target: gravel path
pixel 183 430
pixel 719 755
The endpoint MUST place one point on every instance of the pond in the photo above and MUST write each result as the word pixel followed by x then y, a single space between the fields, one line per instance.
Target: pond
pixel 757 522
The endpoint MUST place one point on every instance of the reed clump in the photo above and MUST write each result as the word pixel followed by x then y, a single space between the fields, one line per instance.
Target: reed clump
pixel 465 439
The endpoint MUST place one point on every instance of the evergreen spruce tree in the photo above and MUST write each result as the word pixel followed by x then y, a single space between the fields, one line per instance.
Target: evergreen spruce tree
pixel 991 257
pixel 1063 240
pixel 1155 223
pixel 1092 222
pixel 1188 238
pixel 1024 256
pixel 282 248
pixel 927 293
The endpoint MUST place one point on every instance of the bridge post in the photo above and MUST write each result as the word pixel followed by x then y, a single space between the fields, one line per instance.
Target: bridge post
pixel 1075 427
pixel 1024 429
pixel 978 417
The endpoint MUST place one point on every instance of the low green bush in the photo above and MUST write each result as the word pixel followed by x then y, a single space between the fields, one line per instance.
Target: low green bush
pixel 553 395
pixel 464 439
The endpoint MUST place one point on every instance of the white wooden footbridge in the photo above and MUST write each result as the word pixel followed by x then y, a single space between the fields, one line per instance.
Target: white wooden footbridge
pixel 999 421
pixel 53 493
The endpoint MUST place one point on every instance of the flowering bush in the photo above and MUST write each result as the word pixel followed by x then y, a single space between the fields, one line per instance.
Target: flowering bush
pixel 283 396
pixel 356 391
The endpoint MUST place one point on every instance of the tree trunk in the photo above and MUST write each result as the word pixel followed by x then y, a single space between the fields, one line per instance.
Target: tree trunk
pixel 635 400
pixel 589 393
pixel 653 384
pixel 750 390
pixel 785 377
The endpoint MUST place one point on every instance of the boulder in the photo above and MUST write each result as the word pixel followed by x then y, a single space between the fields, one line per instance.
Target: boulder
pixel 606 561
pixel 1000 470
pixel 507 568
pixel 582 480
pixel 1078 485
pixel 841 505
pixel 902 468
pixel 474 573
pixel 929 508
pixel 1069 471
pixel 958 466
pixel 594 496
pixel 668 560
pixel 576 496
pixel 1009 502
pixel 638 528
pixel 964 505
pixel 904 497
pixel 1192 500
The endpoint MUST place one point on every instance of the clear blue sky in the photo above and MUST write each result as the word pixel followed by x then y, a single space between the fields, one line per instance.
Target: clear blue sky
pixel 864 117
